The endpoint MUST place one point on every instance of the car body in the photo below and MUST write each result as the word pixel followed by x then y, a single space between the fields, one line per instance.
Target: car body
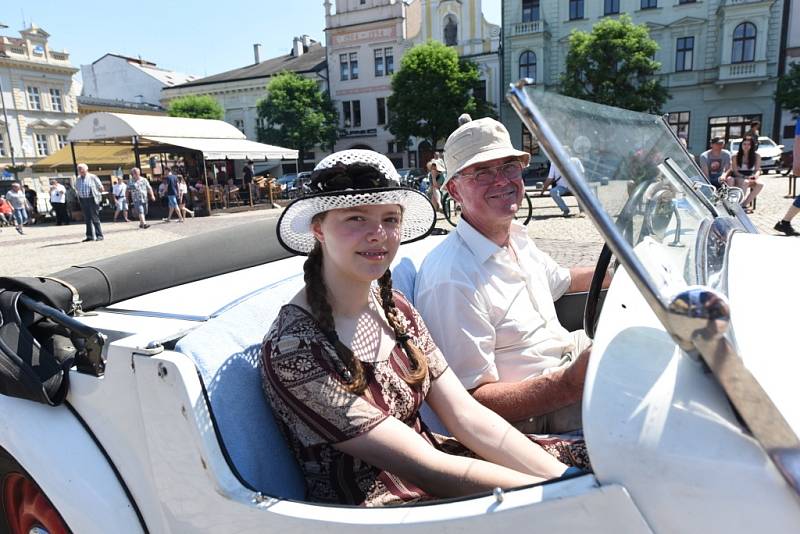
pixel 769 151
pixel 689 406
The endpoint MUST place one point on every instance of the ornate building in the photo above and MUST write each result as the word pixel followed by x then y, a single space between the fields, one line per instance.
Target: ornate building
pixel 365 42
pixel 719 58
pixel 39 98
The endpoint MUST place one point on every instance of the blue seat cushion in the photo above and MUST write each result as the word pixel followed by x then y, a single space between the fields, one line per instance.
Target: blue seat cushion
pixel 226 350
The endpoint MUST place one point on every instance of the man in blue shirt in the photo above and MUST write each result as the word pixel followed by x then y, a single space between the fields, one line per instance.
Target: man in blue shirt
pixel 785 225
pixel 172 197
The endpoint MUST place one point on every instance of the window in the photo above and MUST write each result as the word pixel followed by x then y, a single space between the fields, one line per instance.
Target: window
pixel 679 122
pixel 379 70
pixel 384 62
pixel 392 147
pixel 344 67
pixel 55 100
pixel 649 4
pixel 684 54
pixel 42 148
pixel 351 113
pixel 528 144
pixel 388 55
pixel 353 66
pixel 686 2
pixel 450 31
pixel 788 133
pixel 731 127
pixel 480 91
pixel 527 65
pixel 239 124
pixel 530 10
pixel 3 144
pixel 34 99
pixel 381 103
pixel 61 141
pixel 575 9
pixel 744 43
pixel 610 7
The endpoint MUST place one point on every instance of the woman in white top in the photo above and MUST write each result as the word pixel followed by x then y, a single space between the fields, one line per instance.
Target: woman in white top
pixel 183 191
pixel 746 171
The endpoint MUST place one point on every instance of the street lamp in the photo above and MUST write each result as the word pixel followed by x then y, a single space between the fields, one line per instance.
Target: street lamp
pixel 5 118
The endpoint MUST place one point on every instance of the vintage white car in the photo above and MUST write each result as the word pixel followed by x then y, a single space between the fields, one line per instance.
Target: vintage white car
pixel 131 401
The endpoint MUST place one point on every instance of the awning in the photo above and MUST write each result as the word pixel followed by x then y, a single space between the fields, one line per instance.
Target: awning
pixel 111 156
pixel 106 126
pixel 228 148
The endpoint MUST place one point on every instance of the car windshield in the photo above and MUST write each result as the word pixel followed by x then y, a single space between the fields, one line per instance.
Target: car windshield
pixel 649 175
pixel 766 142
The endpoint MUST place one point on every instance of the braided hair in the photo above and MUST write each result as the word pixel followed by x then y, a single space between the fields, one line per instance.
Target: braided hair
pixel 351 369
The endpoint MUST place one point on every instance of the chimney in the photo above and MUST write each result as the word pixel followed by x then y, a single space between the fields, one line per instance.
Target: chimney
pixel 257 53
pixel 297 47
pixel 306 42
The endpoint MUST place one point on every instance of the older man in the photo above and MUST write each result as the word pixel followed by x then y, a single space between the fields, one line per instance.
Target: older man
pixel 19 203
pixel 487 292
pixel 90 193
pixel 141 192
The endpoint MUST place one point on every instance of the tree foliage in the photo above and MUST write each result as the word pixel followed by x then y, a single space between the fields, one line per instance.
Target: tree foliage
pixel 430 90
pixel 787 94
pixel 297 114
pixel 196 107
pixel 614 65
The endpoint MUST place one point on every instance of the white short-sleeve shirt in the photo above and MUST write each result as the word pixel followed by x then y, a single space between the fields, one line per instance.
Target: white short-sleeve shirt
pixel 490 309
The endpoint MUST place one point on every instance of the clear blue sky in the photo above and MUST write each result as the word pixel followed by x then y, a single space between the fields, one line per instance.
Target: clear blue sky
pixel 200 37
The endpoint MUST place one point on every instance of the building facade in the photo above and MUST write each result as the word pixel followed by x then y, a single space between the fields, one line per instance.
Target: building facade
pixel 463 25
pixel 39 98
pixel 365 40
pixel 129 80
pixel 719 58
pixel 239 90
pixel 791 56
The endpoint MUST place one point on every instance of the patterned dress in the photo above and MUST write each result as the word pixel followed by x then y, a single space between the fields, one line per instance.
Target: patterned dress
pixel 314 410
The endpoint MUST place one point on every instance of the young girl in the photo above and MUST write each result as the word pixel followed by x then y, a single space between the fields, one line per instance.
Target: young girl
pixel 746 171
pixel 347 363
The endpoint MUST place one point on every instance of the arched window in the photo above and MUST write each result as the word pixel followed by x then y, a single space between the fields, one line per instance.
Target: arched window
pixel 744 43
pixel 450 31
pixel 527 65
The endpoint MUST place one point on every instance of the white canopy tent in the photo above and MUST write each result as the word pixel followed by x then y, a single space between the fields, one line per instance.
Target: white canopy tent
pixel 215 140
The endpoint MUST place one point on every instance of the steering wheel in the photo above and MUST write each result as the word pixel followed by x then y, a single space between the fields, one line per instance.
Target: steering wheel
pixel 591 313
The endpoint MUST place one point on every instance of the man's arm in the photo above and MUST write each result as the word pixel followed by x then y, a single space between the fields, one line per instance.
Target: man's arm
pixel 581 279
pixel 516 401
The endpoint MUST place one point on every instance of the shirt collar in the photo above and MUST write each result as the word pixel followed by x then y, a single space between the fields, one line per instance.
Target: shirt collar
pixel 484 248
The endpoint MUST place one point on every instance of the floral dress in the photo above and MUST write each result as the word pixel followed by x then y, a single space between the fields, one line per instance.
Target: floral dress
pixel 314 410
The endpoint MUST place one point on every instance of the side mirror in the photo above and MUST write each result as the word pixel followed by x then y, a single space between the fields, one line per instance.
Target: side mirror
pixel 780 147
pixel 698 311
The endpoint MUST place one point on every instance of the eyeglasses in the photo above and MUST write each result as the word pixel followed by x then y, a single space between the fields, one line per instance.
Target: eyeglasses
pixel 510 171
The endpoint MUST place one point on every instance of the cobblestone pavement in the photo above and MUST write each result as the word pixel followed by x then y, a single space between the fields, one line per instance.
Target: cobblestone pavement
pixel 571 241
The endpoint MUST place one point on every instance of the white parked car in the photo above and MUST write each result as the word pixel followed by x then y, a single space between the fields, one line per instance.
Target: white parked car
pixel 769 151
pixel 158 423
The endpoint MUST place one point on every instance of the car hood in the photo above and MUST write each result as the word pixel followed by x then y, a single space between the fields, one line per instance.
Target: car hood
pixel 764 295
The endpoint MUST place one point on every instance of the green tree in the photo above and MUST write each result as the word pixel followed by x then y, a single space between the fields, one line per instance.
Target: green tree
pixel 614 65
pixel 430 90
pixel 196 107
pixel 787 94
pixel 297 114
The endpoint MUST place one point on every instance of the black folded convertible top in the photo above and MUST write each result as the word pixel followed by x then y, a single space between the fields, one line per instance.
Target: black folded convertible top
pixel 129 275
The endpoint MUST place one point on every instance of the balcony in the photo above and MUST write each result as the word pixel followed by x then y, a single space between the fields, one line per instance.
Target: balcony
pixel 742 72
pixel 528 28
pixel 738 2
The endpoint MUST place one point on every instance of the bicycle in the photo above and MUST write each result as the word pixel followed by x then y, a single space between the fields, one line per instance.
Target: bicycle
pixel 452 209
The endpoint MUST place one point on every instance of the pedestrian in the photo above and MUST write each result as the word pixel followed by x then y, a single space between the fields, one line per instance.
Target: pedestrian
pixel 183 194
pixel 6 212
pixel 716 162
pixel 247 178
pixel 435 168
pixel 754 132
pixel 19 202
pixel 33 204
pixel 90 194
pixel 746 171
pixel 785 224
pixel 172 197
pixel 559 185
pixel 58 199
pixel 141 192
pixel 120 192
